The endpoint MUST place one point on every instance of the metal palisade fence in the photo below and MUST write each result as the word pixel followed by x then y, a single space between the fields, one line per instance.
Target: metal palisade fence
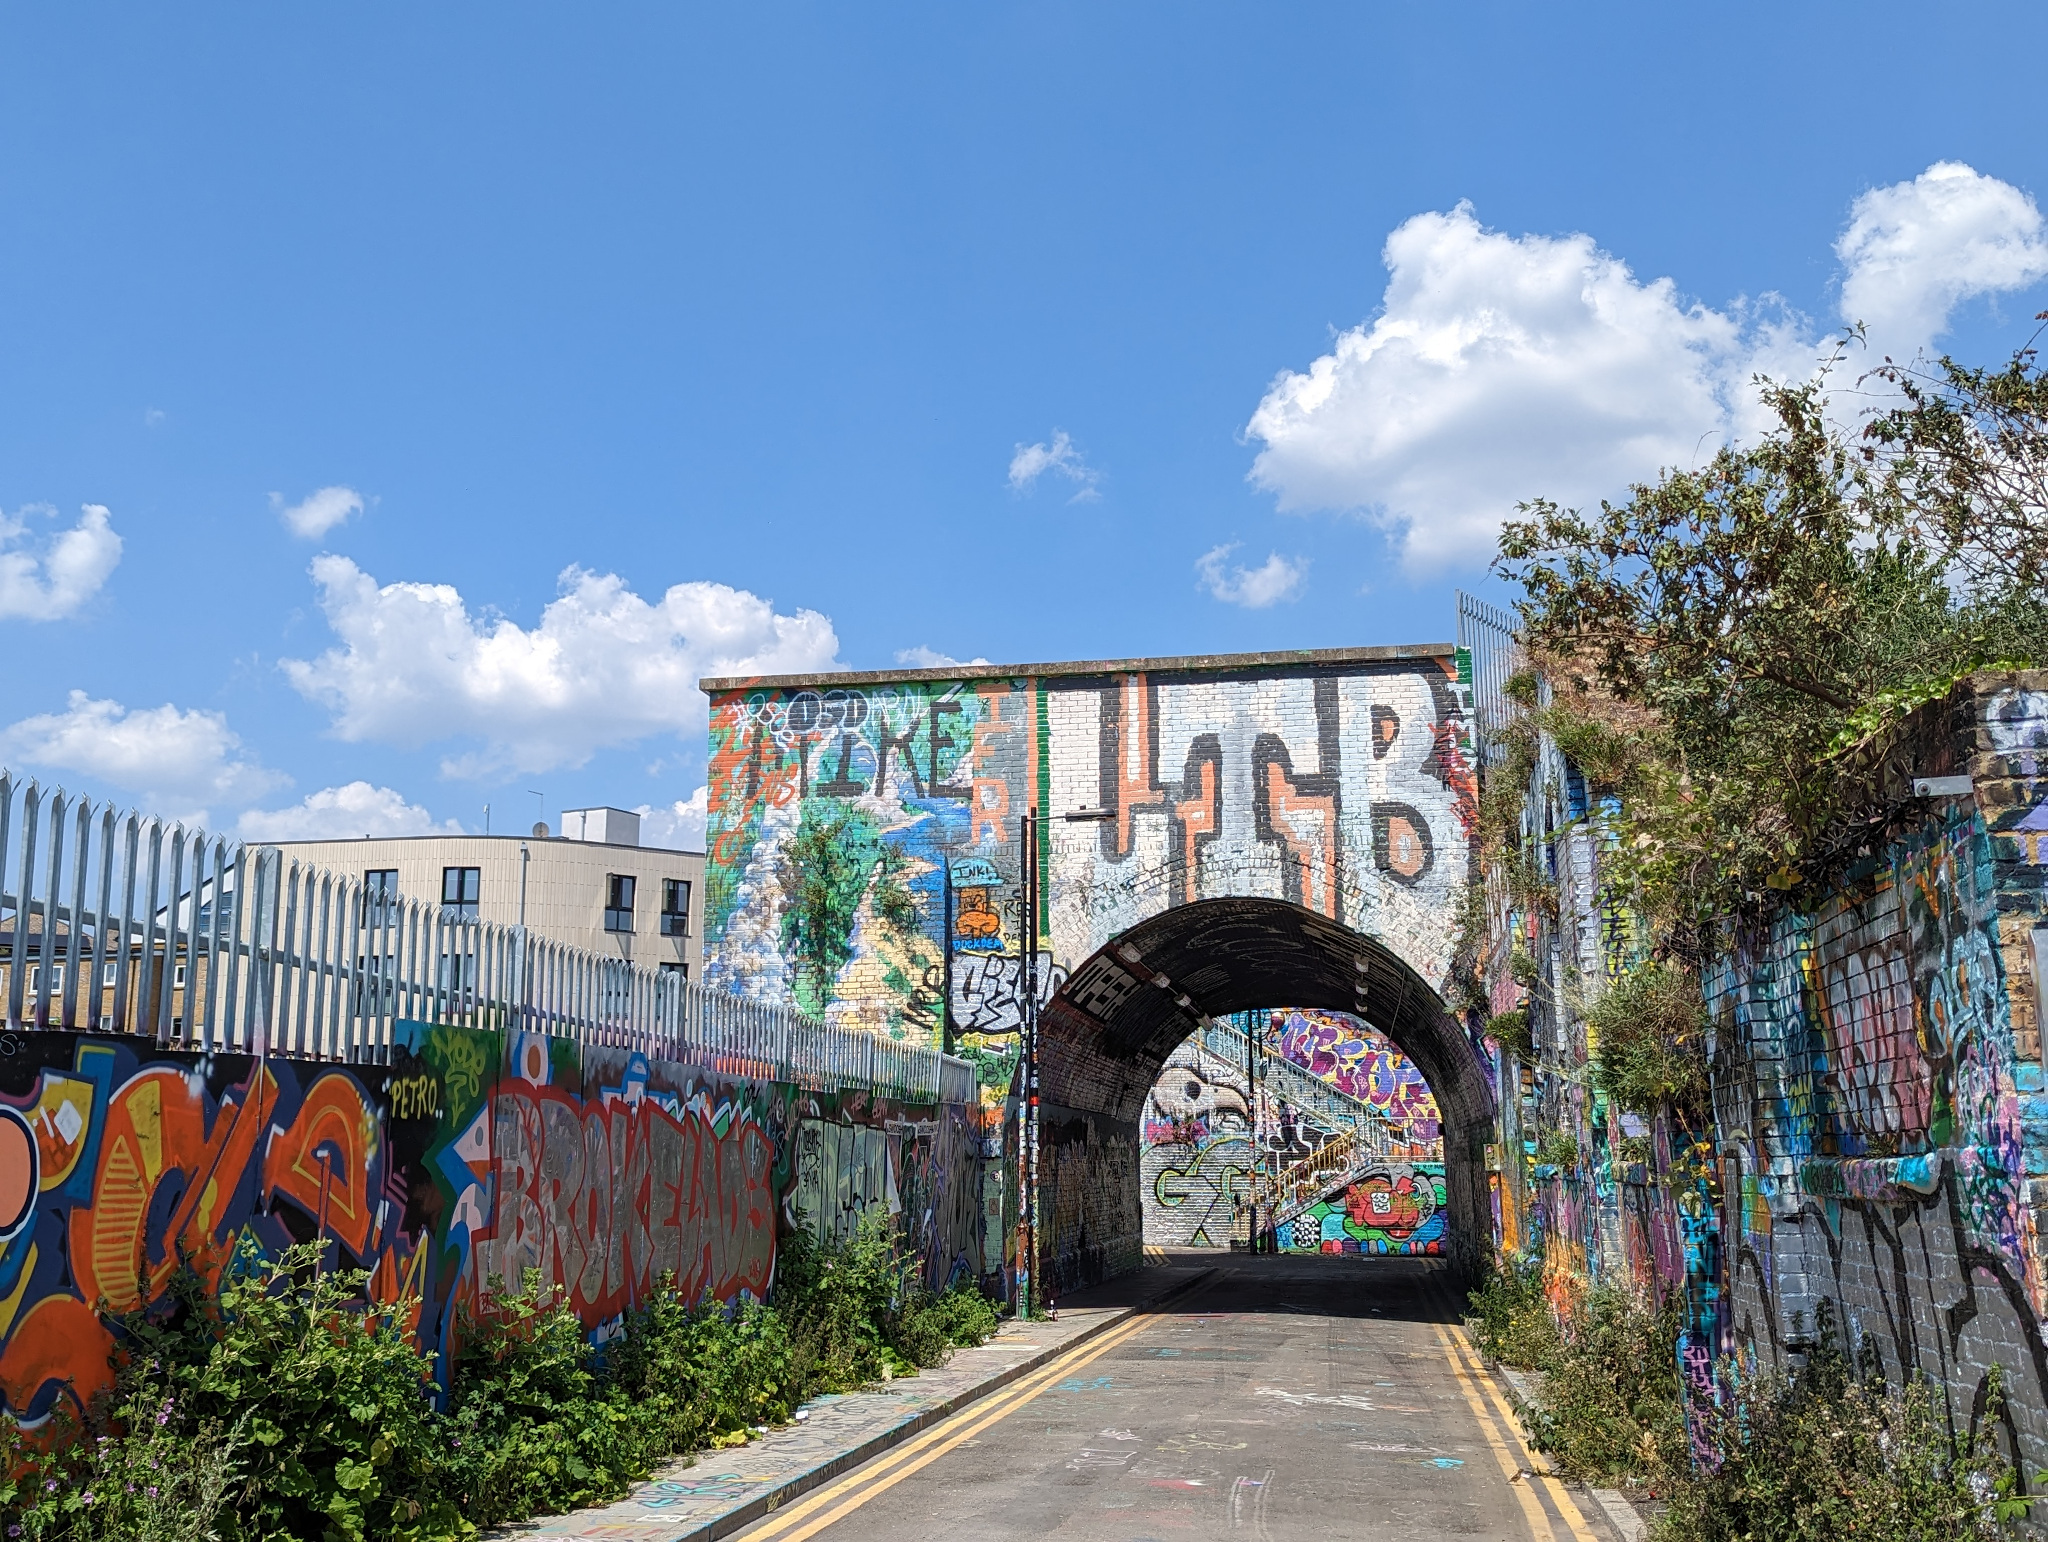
pixel 113 921
pixel 1487 633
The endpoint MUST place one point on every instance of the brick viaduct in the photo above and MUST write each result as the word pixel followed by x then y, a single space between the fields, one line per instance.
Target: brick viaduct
pixel 1258 830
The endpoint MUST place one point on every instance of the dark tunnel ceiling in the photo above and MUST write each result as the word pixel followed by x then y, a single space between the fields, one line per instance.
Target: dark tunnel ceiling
pixel 1149 988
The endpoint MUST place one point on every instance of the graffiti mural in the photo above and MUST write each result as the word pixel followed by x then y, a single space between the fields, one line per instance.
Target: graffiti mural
pixel 1363 1062
pixel 1197 1149
pixel 466 1158
pixel 1398 1209
pixel 1344 788
pixel 1877 1151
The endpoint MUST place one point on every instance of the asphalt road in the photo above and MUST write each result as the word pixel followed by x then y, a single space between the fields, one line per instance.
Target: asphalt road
pixel 1289 1397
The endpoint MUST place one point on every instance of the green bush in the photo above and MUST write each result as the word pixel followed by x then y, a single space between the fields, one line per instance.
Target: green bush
pixel 858 1311
pixel 1608 1405
pixel 1511 1321
pixel 1830 1454
pixel 533 1428
pixel 1609 1408
pixel 281 1408
pixel 285 1409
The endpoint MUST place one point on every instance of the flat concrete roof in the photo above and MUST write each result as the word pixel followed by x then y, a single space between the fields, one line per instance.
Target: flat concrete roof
pixel 1186 662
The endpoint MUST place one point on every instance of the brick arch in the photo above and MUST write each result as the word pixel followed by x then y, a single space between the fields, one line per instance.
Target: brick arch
pixel 1266 820
pixel 1109 1029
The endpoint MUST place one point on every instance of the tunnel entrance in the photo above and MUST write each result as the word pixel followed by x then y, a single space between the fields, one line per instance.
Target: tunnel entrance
pixel 1108 1031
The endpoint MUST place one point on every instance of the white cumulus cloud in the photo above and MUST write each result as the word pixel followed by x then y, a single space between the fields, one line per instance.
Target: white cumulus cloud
pixel 603 667
pixel 678 826
pixel 48 580
pixel 177 761
pixel 343 813
pixel 1915 250
pixel 922 657
pixel 1032 461
pixel 318 512
pixel 1277 578
pixel 1502 368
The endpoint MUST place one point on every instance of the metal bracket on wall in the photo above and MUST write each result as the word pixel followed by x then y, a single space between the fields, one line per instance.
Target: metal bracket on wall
pixel 1942 786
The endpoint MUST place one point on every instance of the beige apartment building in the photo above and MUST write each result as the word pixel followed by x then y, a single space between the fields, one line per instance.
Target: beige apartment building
pixel 593 886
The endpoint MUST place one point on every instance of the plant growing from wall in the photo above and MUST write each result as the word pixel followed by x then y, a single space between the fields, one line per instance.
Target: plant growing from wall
pixel 1651 1026
pixel 1510 1030
pixel 1559 1149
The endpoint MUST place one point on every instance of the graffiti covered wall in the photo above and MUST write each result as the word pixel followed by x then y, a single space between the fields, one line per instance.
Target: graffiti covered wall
pixel 1879 1132
pixel 1344 788
pixel 1196 1152
pixel 1198 1128
pixel 864 864
pixel 1361 1061
pixel 464 1158
pixel 1397 1209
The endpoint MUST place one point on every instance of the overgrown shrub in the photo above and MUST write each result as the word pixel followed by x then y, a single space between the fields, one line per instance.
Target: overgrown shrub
pixel 1832 1454
pixel 1652 1030
pixel 1609 1408
pixel 532 1426
pixel 280 1408
pixel 285 1408
pixel 859 1310
pixel 1607 1403
pixel 1511 1321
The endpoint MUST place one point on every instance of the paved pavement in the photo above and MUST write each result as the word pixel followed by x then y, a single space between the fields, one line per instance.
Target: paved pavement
pixel 1299 1396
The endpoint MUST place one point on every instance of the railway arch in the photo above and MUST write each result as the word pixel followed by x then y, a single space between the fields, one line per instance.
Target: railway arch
pixel 1216 833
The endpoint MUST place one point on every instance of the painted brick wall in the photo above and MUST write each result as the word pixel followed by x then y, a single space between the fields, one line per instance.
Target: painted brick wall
pixel 1881 1127
pixel 1880 1116
pixel 467 1157
pixel 1343 788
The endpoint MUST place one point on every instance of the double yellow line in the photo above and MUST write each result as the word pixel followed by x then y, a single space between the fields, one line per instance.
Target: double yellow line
pixel 837 1500
pixel 1472 1378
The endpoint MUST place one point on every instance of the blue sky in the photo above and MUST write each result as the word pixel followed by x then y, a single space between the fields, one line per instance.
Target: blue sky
pixel 631 342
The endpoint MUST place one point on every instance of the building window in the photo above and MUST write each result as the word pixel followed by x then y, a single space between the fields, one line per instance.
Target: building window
pixel 461 887
pixel 380 896
pixel 675 907
pixel 677 972
pixel 618 902
pixel 177 977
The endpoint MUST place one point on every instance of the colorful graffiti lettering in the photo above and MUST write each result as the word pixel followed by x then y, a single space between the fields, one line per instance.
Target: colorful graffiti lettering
pixel 1361 1061
pixel 463 1160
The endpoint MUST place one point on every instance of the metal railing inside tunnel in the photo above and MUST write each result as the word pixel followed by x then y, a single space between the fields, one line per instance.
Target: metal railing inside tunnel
pixel 113 921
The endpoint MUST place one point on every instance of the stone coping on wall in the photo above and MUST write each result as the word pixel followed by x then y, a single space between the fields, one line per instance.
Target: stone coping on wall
pixel 1893 1179
pixel 1181 663
pixel 716 1493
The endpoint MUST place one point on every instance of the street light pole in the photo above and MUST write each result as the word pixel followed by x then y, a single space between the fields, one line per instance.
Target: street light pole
pixel 1031 1289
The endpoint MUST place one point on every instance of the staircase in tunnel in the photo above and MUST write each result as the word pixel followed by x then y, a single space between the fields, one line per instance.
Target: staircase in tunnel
pixel 1361 1140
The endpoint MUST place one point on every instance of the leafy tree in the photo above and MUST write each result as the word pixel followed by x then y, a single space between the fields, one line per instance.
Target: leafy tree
pixel 1714 642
